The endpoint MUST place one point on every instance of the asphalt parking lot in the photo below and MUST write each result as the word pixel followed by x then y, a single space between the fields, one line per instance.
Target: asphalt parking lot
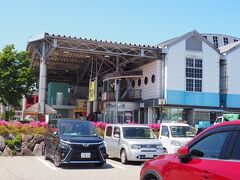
pixel 36 168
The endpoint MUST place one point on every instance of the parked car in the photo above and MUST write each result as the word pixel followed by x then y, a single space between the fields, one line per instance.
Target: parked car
pixel 73 141
pixel 213 154
pixel 175 135
pixel 227 117
pixel 131 142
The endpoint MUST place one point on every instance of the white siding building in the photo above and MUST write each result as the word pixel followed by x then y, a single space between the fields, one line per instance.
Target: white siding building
pixel 231 56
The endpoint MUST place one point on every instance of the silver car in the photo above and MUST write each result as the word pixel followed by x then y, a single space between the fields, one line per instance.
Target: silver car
pixel 131 142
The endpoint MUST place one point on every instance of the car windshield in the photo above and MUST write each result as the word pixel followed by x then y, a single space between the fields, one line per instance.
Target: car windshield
pixel 182 131
pixel 77 128
pixel 138 133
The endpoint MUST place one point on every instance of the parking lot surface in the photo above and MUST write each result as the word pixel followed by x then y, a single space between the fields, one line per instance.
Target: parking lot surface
pixel 36 168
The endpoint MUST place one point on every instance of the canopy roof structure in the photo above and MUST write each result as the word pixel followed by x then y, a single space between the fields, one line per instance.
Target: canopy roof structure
pixel 34 109
pixel 76 60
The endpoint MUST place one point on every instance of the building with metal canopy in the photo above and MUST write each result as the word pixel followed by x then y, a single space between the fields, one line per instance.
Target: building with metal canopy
pixel 184 78
pixel 78 63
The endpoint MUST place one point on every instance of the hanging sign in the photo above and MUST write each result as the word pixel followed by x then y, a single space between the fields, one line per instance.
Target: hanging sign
pixel 91 94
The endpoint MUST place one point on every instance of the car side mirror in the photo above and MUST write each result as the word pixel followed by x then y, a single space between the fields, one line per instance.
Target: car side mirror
pixel 183 154
pixel 116 136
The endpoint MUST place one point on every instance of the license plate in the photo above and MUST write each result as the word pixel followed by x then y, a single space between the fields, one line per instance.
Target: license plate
pixel 149 155
pixel 85 155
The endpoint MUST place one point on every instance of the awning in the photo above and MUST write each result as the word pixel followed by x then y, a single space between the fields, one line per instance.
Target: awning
pixel 33 110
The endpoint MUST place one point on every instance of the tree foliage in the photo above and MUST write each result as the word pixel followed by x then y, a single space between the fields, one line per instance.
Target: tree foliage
pixel 16 76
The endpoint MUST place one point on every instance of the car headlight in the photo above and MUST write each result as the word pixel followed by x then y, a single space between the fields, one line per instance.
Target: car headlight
pixel 135 146
pixel 158 146
pixel 175 143
pixel 64 145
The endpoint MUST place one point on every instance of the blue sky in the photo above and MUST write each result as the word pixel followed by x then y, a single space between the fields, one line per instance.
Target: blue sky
pixel 131 21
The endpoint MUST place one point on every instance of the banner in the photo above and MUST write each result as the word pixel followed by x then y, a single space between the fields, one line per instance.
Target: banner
pixel 91 95
pixel 81 105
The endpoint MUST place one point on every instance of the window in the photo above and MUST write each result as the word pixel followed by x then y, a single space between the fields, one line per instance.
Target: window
pixel 205 37
pixel 139 82
pixel 189 84
pixel 210 146
pixel 153 78
pixel 133 83
pixel 235 152
pixel 215 41
pixel 198 85
pixel 165 131
pixel 194 74
pixel 52 126
pixel 116 131
pixel 225 41
pixel 145 80
pixel 235 40
pixel 109 131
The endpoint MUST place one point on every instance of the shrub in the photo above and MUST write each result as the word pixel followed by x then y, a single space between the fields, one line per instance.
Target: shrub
pixel 4 131
pixel 12 144
pixel 16 127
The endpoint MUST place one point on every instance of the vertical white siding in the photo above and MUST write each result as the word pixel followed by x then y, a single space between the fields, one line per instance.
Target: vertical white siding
pixel 233 72
pixel 151 90
pixel 176 63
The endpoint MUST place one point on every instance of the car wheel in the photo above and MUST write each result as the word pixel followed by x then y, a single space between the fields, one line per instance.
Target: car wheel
pixel 45 154
pixel 124 157
pixel 151 177
pixel 57 159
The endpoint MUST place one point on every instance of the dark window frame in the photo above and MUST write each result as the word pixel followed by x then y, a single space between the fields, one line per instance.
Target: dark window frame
pixel 153 78
pixel 146 80
pixel 107 132
pixel 139 82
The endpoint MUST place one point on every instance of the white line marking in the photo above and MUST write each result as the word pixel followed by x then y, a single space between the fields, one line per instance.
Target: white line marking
pixel 45 163
pixel 114 165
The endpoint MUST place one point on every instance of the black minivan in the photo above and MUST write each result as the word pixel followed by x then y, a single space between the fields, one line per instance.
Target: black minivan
pixel 73 141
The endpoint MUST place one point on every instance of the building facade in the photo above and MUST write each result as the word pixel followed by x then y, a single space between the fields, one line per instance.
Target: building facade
pixel 192 77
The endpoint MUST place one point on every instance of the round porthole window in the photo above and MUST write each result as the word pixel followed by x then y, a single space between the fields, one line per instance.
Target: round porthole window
pixel 133 83
pixel 139 82
pixel 153 78
pixel 145 80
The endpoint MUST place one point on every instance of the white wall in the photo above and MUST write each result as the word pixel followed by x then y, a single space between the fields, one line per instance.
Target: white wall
pixel 233 72
pixel 176 63
pixel 151 90
pixel 220 38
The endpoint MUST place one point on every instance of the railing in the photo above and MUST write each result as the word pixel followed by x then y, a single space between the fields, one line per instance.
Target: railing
pixel 132 95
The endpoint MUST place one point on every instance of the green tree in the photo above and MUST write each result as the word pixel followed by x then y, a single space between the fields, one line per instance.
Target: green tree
pixel 16 76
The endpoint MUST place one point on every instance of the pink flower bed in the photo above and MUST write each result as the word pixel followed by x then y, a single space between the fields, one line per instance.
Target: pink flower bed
pixel 102 125
pixel 19 124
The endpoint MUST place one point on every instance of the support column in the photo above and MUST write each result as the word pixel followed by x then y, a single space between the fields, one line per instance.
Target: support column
pixel 42 81
pixel 95 102
pixel 116 86
pixel 23 106
pixel 150 115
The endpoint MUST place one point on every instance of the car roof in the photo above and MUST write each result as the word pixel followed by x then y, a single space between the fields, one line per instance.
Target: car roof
pixel 128 125
pixel 223 124
pixel 173 124
pixel 68 119
pixel 227 123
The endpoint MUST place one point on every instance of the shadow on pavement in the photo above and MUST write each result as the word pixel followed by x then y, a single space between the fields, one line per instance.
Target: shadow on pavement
pixel 85 166
pixel 131 163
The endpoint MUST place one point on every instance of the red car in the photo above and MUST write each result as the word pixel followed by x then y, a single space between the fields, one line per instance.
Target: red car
pixel 213 154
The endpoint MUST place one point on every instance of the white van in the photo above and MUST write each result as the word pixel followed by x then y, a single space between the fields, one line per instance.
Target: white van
pixel 174 135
